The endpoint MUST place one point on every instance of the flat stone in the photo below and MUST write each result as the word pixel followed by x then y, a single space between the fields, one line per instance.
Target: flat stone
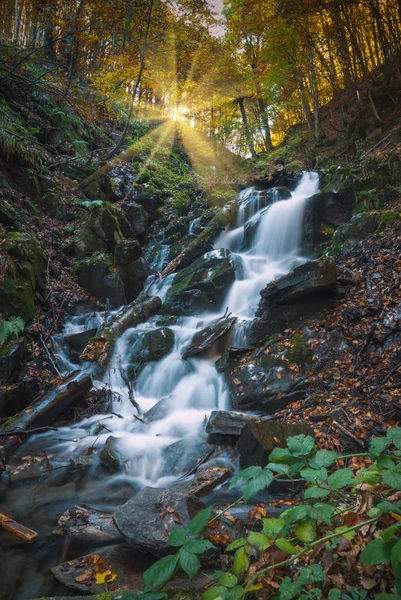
pixel 88 525
pixel 182 456
pixel 128 565
pixel 204 339
pixel 148 518
pixel 79 340
pixel 206 479
pixel 224 422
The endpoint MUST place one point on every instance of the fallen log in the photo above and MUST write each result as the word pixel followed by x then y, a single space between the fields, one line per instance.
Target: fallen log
pixel 100 348
pixel 20 531
pixel 41 413
pixel 199 246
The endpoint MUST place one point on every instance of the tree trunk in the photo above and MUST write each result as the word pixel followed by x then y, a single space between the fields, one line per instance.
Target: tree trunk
pixel 42 413
pixel 248 133
pixel 100 348
pixel 266 124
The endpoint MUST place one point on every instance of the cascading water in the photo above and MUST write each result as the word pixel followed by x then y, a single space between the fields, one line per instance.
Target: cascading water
pixel 192 388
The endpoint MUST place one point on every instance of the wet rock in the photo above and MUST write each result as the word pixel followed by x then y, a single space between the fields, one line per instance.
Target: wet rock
pixel 182 456
pixel 259 438
pixel 175 230
pixel 88 526
pixel 95 276
pixel 211 275
pixel 126 252
pixel 134 275
pixel 129 565
pixel 292 299
pixel 97 187
pixel 149 347
pixel 11 359
pixel 206 479
pixel 79 340
pixel 112 456
pixel 133 220
pixel 159 411
pixel 154 512
pixel 313 278
pixel 204 339
pixel 150 201
pixel 266 382
pixel 226 423
pixel 15 397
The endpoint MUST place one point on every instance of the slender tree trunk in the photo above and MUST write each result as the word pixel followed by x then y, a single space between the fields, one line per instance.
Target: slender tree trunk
pixel 315 96
pixel 71 67
pixel 248 133
pixel 120 142
pixel 17 21
pixel 266 124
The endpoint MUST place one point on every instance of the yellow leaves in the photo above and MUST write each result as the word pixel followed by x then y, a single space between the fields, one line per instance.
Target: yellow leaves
pixel 106 577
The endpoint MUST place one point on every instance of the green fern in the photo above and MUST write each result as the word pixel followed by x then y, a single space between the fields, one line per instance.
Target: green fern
pixel 89 204
pixel 10 329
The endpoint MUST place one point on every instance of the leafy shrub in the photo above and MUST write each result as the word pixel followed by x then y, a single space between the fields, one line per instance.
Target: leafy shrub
pixel 329 516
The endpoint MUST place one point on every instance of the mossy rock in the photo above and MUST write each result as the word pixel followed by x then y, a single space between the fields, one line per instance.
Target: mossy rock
pixel 212 274
pixel 9 215
pixel 17 298
pixel 361 227
pixel 149 347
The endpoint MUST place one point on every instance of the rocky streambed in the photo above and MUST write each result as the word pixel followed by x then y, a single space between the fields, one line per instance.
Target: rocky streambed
pixel 179 389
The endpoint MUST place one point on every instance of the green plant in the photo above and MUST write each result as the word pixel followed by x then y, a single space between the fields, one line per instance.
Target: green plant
pixel 366 200
pixel 10 329
pixel 89 204
pixel 329 516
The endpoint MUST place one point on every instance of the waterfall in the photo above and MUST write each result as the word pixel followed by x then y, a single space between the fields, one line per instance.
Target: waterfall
pixel 192 388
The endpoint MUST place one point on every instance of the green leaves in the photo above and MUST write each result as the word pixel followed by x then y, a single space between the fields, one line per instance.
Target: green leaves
pixel 189 563
pixel 340 479
pixel 376 552
pixel 256 478
pixel 314 475
pixel 306 532
pixel 198 523
pixel 377 446
pixel 159 573
pixel 323 458
pixel 240 562
pixel 316 492
pixel 10 329
pixel 286 546
pixel 259 540
pixel 197 546
pixel 301 445
pixel 273 527
pixel 393 479
pixel 177 537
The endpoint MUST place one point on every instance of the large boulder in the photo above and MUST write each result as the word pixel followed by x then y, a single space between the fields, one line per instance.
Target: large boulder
pixel 98 278
pixel 267 382
pixel 133 220
pixel 227 423
pixel 361 226
pixel 149 347
pixel 210 277
pixel 328 209
pixel 259 438
pixel 146 518
pixel 134 276
pixel 204 339
pixel 313 278
pixel 294 298
pixel 101 233
pixel 24 264
pixel 11 359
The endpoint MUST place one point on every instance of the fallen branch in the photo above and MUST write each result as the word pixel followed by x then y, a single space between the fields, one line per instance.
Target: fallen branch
pixel 20 531
pixel 130 390
pixel 390 373
pixel 101 346
pixel 19 430
pixel 350 435
pixel 41 413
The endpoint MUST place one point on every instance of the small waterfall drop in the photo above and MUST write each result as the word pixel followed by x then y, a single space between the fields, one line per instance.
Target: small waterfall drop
pixel 192 388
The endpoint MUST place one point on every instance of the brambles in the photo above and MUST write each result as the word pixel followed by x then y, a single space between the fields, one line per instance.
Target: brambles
pixel 349 514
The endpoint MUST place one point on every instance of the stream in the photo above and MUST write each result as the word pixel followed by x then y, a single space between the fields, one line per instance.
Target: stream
pixel 265 243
